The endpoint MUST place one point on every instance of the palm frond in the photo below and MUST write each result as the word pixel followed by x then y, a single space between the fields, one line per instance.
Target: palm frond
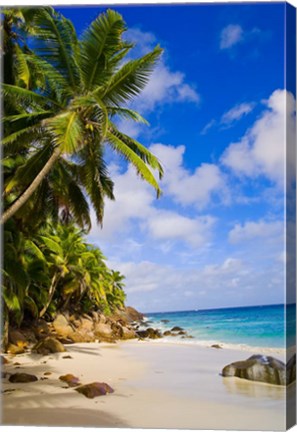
pixel 26 173
pixel 20 139
pixel 57 43
pixel 48 77
pixel 52 245
pixel 38 115
pixel 99 43
pixel 93 175
pixel 27 97
pixel 66 130
pixel 127 113
pixel 140 150
pixel 22 68
pixel 128 82
pixel 67 190
pixel 79 205
pixel 32 247
pixel 11 300
pixel 119 146
pixel 94 111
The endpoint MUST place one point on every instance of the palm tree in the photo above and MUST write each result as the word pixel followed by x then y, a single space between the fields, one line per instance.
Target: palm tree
pixel 54 269
pixel 115 293
pixel 66 110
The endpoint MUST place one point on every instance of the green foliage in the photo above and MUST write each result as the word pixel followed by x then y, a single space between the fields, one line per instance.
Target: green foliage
pixel 63 97
pixel 56 257
pixel 61 93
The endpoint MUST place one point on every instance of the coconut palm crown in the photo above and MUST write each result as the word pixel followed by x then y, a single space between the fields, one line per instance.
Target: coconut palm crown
pixel 61 109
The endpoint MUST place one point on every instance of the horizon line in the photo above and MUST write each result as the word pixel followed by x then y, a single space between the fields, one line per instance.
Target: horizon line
pixel 221 308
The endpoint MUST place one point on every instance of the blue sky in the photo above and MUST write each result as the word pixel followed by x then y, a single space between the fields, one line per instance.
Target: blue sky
pixel 217 107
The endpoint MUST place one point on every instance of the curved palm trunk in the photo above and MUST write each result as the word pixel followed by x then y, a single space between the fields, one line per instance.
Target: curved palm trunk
pixel 32 188
pixel 51 293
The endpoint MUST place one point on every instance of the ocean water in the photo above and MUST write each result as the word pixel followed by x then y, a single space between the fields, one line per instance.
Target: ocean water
pixel 253 326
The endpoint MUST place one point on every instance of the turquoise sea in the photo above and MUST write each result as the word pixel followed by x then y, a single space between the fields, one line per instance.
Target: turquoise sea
pixel 257 326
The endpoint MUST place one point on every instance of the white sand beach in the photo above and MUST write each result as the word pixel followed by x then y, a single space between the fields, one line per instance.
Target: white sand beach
pixel 155 386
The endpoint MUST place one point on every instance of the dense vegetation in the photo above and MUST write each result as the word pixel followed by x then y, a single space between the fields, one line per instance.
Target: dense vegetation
pixel 63 97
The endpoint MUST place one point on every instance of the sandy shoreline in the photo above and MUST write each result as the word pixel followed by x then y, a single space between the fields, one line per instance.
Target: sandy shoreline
pixel 156 386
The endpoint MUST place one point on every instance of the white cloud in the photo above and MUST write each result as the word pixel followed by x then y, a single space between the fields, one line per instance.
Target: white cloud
pixel 225 284
pixel 208 126
pixel 136 209
pixel 165 85
pixel 143 40
pixel 237 112
pixel 188 188
pixel 230 36
pixel 256 230
pixel 229 266
pixel 166 225
pixel 130 128
pixel 261 151
pixel 230 117
pixel 134 200
pixel 141 277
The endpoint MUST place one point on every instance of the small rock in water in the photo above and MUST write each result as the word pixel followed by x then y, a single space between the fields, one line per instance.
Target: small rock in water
pixel 94 389
pixel 22 378
pixel 165 321
pixel 167 333
pixel 216 346
pixel 67 357
pixel 70 379
pixel 176 329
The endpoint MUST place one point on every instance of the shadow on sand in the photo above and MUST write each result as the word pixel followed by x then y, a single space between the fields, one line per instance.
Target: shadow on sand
pixel 43 416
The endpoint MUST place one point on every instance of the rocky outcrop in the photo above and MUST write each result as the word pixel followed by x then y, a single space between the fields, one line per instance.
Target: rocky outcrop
pixel 72 327
pixel 103 331
pixel 264 369
pixel 47 346
pixel 62 326
pixel 22 378
pixel 94 389
pixel 128 333
pixel 90 328
pixel 150 333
